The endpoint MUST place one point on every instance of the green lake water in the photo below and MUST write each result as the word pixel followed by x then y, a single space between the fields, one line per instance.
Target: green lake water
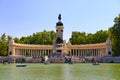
pixel 60 72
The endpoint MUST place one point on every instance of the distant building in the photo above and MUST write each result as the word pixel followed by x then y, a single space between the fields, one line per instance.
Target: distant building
pixel 60 47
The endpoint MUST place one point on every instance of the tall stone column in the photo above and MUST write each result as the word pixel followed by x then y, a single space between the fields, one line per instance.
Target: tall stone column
pixel 11 48
pixel 109 47
pixel 13 51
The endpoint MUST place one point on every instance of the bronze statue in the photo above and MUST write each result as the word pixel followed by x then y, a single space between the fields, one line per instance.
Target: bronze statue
pixel 59 23
pixel 59 17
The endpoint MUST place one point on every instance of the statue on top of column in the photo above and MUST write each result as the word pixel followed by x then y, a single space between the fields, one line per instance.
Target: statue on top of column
pixel 59 17
pixel 59 23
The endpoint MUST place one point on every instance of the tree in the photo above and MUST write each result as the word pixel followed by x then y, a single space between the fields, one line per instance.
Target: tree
pixel 17 40
pixel 3 45
pixel 3 37
pixel 83 38
pixel 45 37
pixel 78 38
pixel 9 38
pixel 100 36
pixel 114 33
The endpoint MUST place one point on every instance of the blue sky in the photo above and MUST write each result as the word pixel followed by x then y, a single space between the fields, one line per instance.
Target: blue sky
pixel 24 17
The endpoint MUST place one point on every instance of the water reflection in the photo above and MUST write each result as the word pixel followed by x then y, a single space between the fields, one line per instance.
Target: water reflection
pixel 67 70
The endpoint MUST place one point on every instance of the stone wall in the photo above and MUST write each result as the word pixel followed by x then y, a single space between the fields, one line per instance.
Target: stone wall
pixel 109 59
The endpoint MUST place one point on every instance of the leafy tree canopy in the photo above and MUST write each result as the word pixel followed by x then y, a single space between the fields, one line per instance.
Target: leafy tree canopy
pixel 84 38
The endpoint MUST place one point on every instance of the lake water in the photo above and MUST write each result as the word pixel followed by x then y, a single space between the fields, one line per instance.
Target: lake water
pixel 60 72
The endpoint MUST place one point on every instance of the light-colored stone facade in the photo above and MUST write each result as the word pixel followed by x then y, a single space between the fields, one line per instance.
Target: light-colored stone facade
pixel 101 49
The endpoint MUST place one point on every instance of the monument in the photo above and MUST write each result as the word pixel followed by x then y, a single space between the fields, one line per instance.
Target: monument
pixel 61 48
pixel 59 42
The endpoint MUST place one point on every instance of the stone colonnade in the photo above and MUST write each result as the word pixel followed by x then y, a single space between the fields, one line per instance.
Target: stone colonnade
pixel 88 52
pixel 32 52
pixel 93 50
pixel 27 50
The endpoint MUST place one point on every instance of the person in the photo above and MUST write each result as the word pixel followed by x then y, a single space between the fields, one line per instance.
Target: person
pixel 46 60
pixel 93 60
pixel 42 59
pixel 5 61
pixel 70 61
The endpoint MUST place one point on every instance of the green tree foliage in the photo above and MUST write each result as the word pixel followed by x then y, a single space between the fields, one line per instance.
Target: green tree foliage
pixel 83 38
pixel 4 44
pixel 78 38
pixel 114 33
pixel 9 38
pixel 17 40
pixel 45 37
pixel 100 36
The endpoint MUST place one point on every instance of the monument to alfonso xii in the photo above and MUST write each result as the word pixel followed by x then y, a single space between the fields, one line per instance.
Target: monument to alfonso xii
pixel 60 47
